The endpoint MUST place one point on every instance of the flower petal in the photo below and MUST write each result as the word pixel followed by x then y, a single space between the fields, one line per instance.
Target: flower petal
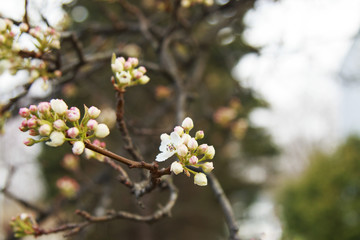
pixel 175 139
pixel 163 156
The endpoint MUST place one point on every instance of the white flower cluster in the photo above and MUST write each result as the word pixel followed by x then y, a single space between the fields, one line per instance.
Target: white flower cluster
pixel 50 121
pixel 127 73
pixel 188 151
pixel 44 41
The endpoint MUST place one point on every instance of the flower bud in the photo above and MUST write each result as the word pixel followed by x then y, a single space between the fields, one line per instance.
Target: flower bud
pixel 137 74
pixel 33 109
pixel 202 148
pixel 193 160
pixel 133 61
pixel 187 124
pixel 142 69
pixel 127 65
pixel 45 130
pixel 94 112
pixel 59 125
pixel 200 179
pixel 182 150
pixel 179 130
pixel 92 124
pixel 118 65
pixel 55 44
pixel 68 186
pixel 192 144
pixel 56 139
pixel 144 80
pixel 176 168
pixel 32 122
pixel 73 114
pixel 102 130
pixel 207 167
pixel 73 132
pixel 210 152
pixel 33 132
pixel 44 107
pixel 89 153
pixel 24 27
pixel 186 138
pixel 78 147
pixel 199 135
pixel 2 25
pixel 59 106
pixel 70 162
pixel 24 112
pixel 29 142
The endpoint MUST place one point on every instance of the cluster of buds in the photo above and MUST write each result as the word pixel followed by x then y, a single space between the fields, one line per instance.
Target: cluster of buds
pixel 127 73
pixel 54 123
pixel 67 186
pixel 91 154
pixel 24 225
pixel 45 40
pixel 188 152
pixel 188 3
pixel 231 117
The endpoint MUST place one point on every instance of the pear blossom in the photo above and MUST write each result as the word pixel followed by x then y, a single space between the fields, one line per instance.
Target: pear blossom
pixel 57 139
pixel 199 135
pixel 78 147
pixel 59 125
pixel 29 142
pixel 73 114
pixel 92 124
pixel 123 77
pixel 94 112
pixel 168 146
pixel 187 124
pixel 210 152
pixel 200 179
pixel 179 130
pixel 59 106
pixel 73 132
pixel 192 144
pixel 24 112
pixel 186 138
pixel 193 160
pixel 176 168
pixel 102 130
pixel 207 167
pixel 45 130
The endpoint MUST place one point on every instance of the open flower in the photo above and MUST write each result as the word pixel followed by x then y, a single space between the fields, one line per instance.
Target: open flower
pixel 168 146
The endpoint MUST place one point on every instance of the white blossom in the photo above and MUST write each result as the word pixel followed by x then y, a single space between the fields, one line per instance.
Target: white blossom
pixel 176 168
pixel 168 146
pixel 102 130
pixel 59 106
pixel 56 139
pixel 200 179
pixel 78 147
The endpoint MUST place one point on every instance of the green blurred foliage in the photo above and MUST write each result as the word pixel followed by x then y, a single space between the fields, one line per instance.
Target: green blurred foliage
pixel 325 202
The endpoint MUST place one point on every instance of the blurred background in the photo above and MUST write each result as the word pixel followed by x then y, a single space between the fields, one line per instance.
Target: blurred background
pixel 274 85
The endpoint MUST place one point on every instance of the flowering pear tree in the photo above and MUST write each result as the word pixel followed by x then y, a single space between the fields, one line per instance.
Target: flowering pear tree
pixel 156 58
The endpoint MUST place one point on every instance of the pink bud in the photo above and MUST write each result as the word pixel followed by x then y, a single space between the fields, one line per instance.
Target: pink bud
pixel 199 135
pixel 133 61
pixel 94 112
pixel 92 124
pixel 193 160
pixel 44 107
pixel 179 130
pixel 182 150
pixel 33 109
pixel 24 27
pixel 32 122
pixel 78 147
pixel 59 125
pixel 202 148
pixel 73 114
pixel 33 132
pixel 142 69
pixel 29 142
pixel 73 132
pixel 192 144
pixel 45 130
pixel 24 112
pixel 127 65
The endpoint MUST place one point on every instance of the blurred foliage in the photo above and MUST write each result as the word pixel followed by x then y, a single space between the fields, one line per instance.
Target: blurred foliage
pixel 325 202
